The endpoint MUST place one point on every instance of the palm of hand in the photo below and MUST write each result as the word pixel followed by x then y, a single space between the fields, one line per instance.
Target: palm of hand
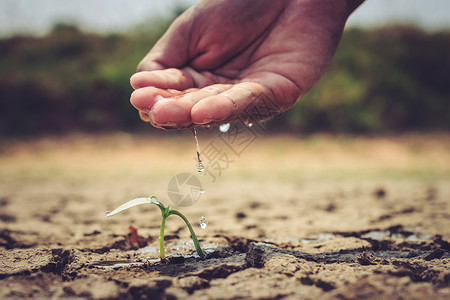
pixel 217 64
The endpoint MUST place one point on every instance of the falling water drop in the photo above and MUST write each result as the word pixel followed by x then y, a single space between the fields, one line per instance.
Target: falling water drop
pixel 200 167
pixel 196 139
pixel 224 127
pixel 203 222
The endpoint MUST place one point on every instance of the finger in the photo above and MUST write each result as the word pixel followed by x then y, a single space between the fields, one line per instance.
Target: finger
pixel 144 116
pixel 160 107
pixel 228 105
pixel 172 108
pixel 143 99
pixel 149 65
pixel 171 49
pixel 164 79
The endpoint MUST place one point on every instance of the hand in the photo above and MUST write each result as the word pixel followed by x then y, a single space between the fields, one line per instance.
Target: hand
pixel 224 60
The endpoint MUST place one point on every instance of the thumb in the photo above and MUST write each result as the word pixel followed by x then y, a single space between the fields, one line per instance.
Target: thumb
pixel 171 50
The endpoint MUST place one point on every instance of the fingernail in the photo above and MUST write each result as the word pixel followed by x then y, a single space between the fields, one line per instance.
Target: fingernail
pixel 144 116
pixel 150 117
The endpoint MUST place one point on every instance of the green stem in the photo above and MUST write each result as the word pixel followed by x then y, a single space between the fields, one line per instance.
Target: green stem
pixel 194 237
pixel 161 238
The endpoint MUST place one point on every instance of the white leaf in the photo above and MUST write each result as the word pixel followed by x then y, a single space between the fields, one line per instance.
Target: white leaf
pixel 131 203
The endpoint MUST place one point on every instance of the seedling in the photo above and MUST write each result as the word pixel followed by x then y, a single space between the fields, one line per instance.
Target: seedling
pixel 165 212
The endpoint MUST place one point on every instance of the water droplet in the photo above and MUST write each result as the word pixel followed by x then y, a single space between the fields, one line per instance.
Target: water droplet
pixel 250 124
pixel 224 127
pixel 196 140
pixel 201 191
pixel 200 170
pixel 107 213
pixel 200 167
pixel 203 222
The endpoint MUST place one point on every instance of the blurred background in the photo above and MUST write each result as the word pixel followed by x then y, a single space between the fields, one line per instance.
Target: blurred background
pixel 65 67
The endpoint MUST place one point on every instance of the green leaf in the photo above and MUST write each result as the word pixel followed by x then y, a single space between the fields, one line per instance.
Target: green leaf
pixel 134 202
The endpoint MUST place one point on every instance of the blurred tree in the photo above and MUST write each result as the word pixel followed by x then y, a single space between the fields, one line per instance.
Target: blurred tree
pixel 383 80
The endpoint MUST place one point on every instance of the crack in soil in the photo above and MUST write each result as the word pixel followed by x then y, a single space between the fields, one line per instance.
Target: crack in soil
pixel 190 275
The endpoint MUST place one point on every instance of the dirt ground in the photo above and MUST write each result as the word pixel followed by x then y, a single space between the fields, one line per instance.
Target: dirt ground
pixel 288 218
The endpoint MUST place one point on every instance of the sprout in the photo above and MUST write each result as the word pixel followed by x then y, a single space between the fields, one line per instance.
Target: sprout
pixel 165 212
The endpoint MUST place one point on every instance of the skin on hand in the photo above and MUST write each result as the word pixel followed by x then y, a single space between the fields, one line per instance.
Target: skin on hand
pixel 224 60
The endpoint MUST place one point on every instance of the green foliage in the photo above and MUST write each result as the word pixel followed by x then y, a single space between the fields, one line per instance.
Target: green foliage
pixel 385 80
pixel 69 80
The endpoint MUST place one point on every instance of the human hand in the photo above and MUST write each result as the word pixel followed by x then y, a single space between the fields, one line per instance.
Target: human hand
pixel 224 60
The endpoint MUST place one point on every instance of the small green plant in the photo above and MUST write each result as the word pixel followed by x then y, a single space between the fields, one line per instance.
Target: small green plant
pixel 165 212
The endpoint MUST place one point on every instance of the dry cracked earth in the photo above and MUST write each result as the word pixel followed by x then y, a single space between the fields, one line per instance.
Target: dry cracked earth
pixel 316 234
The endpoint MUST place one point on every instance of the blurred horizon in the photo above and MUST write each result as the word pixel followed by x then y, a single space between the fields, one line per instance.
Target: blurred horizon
pixel 22 17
